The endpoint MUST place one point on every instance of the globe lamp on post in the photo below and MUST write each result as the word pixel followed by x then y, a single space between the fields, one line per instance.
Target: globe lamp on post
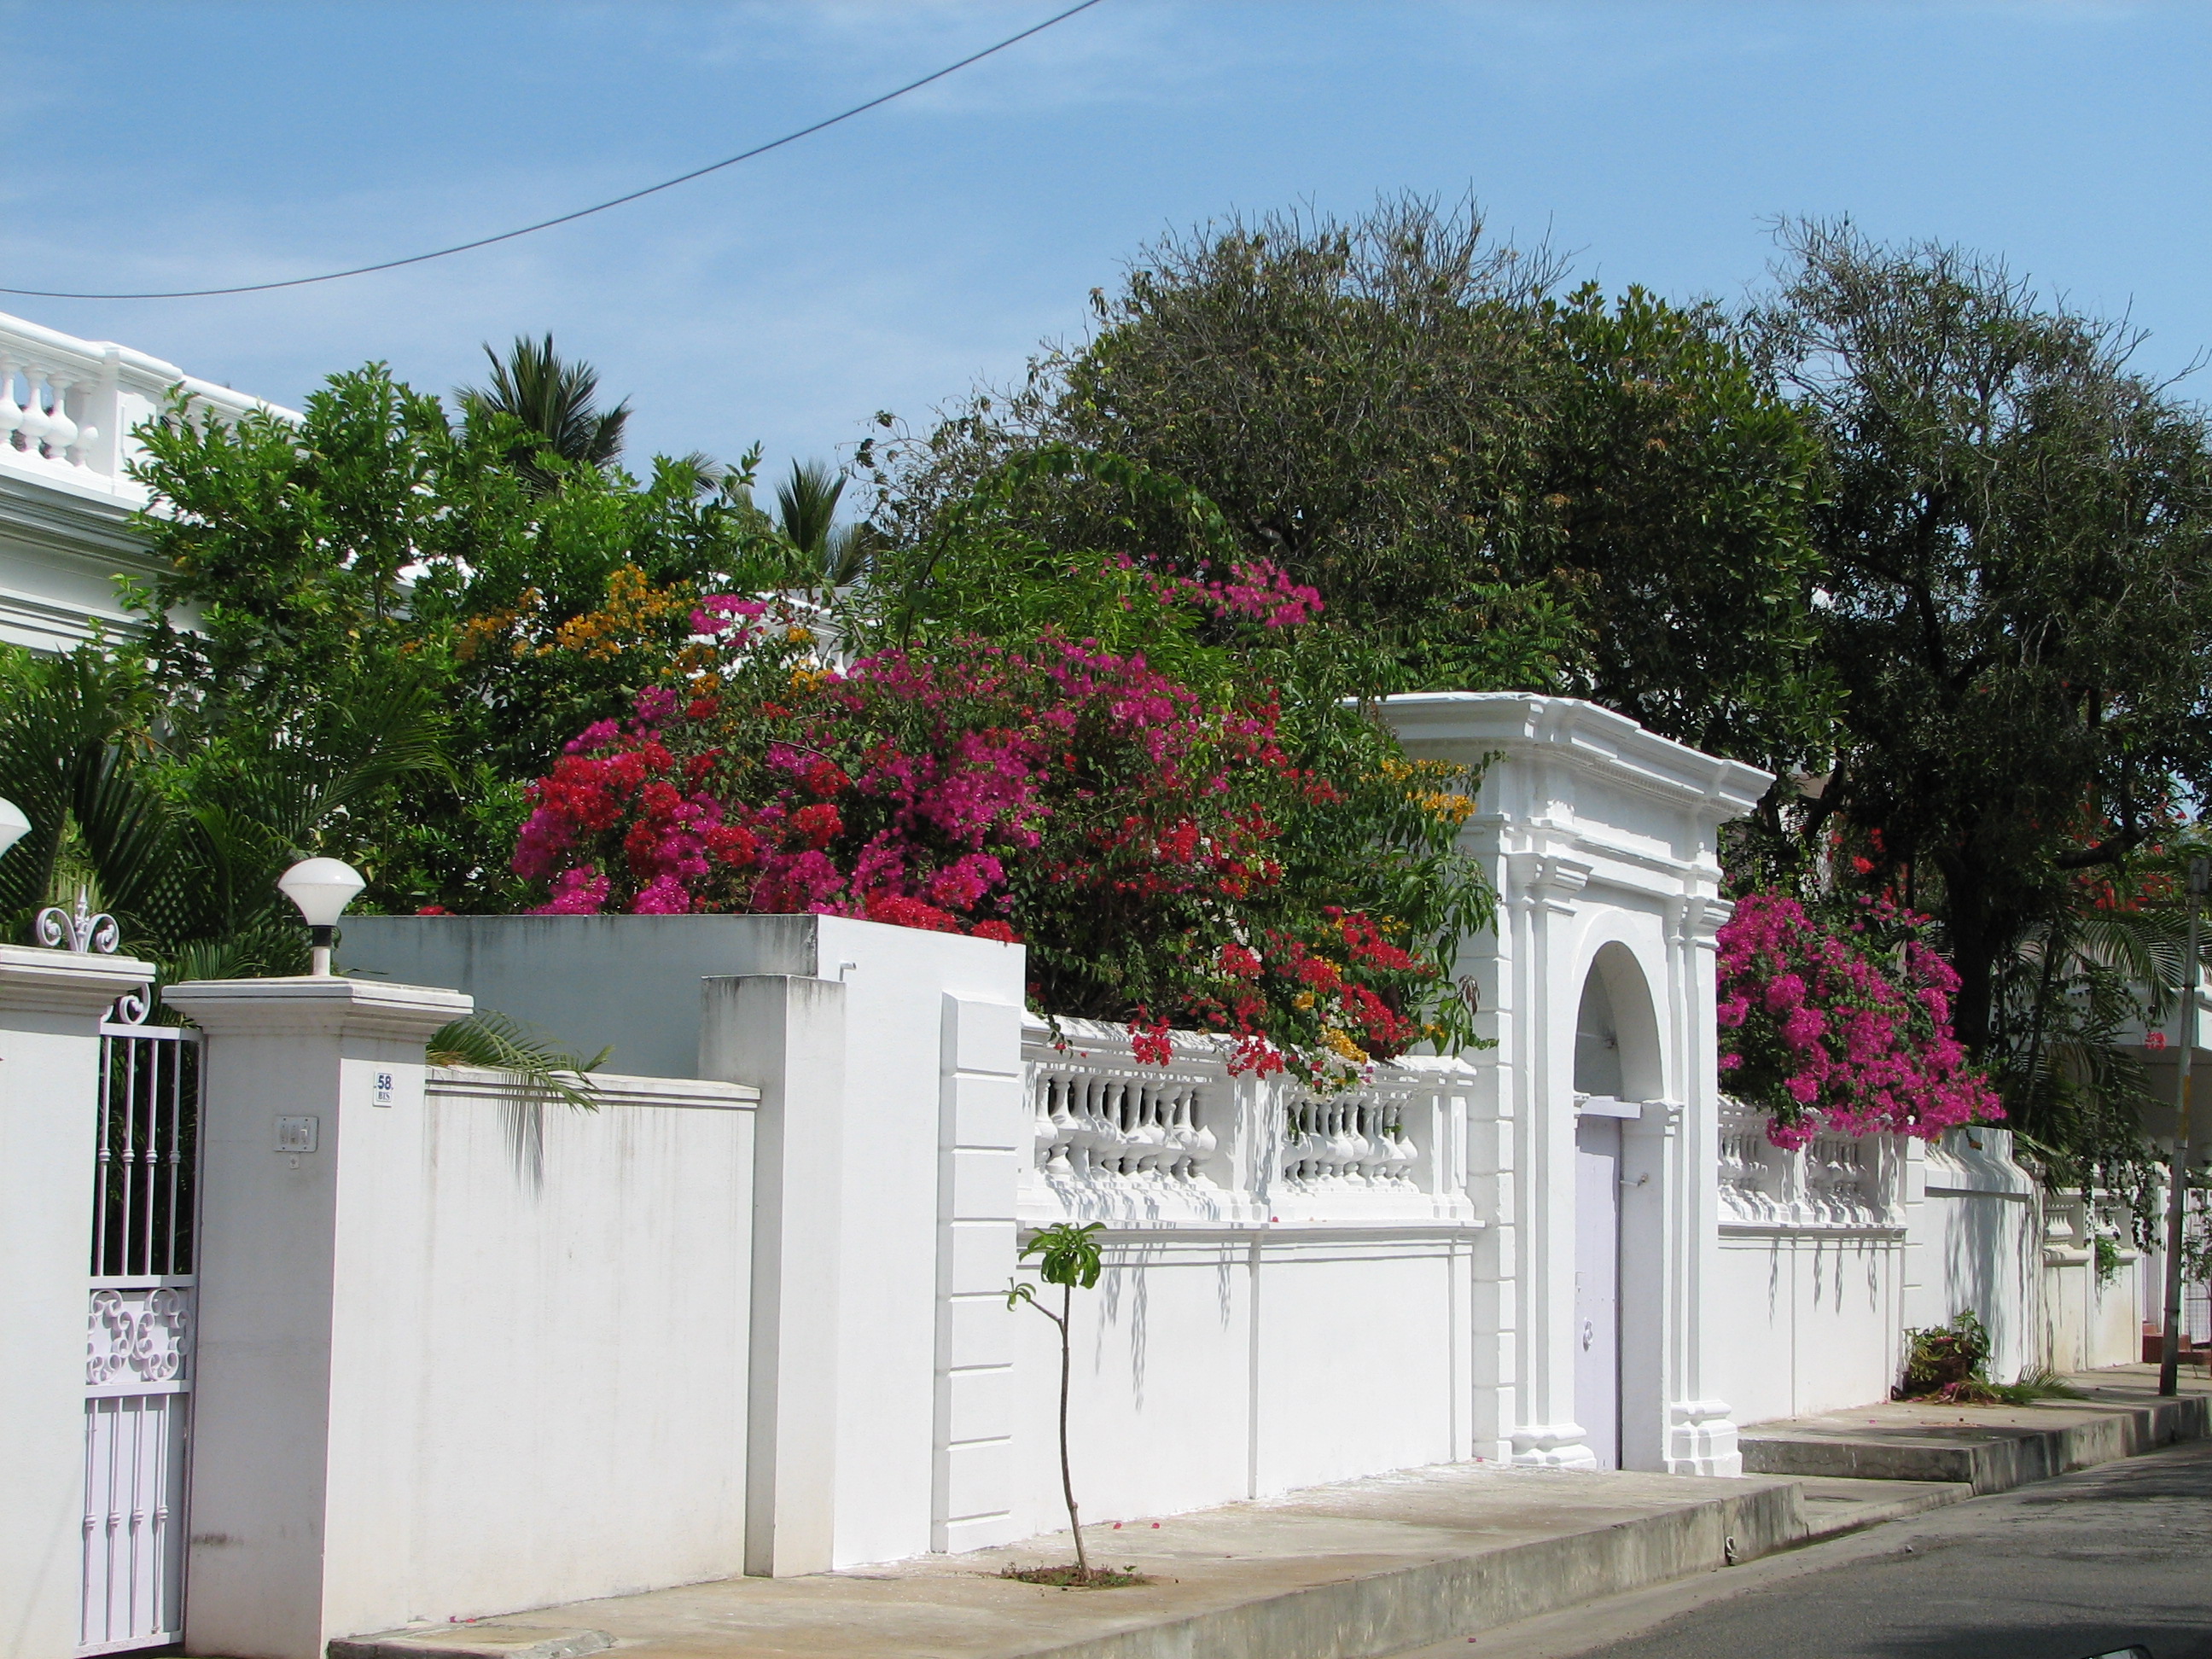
pixel 322 888
pixel 14 826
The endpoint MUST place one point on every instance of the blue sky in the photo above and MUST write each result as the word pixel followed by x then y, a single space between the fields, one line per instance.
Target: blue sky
pixel 894 261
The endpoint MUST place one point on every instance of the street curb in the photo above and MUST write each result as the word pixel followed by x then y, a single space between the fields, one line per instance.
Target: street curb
pixel 467 1641
pixel 1861 1514
pixel 1984 1458
pixel 1381 1614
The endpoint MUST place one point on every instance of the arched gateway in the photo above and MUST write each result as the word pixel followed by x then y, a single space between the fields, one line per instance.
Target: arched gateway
pixel 1599 1108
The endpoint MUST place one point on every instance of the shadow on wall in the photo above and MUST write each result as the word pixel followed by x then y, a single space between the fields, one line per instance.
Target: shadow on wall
pixel 1987 1252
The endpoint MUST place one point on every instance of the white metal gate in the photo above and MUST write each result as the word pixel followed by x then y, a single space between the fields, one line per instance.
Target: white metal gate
pixel 138 1351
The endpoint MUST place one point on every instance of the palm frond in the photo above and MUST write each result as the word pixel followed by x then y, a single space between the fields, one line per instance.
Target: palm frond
pixel 554 400
pixel 537 1069
pixel 806 504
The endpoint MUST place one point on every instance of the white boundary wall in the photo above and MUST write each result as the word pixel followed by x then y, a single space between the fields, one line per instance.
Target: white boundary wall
pixel 1813 1265
pixel 1831 1253
pixel 458 1353
pixel 1288 1276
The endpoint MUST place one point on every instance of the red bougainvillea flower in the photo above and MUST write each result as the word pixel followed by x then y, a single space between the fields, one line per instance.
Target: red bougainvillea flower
pixel 1154 850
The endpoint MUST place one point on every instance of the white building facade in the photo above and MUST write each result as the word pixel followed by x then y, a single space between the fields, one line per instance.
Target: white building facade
pixel 67 407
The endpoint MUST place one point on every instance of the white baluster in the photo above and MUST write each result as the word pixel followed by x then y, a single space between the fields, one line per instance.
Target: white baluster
pixel 1369 1153
pixel 1344 1141
pixel 1063 1125
pixel 60 435
pixel 1084 1136
pixel 1175 1121
pixel 1148 1136
pixel 33 422
pixel 1403 1154
pixel 11 412
pixel 1204 1143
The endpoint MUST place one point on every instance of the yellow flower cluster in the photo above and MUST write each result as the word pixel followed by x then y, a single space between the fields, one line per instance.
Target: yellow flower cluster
pixel 633 610
pixel 1433 785
pixel 484 631
pixel 1343 1046
pixel 632 614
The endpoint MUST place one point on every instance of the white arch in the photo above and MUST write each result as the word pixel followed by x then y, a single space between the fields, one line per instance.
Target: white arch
pixel 1621 959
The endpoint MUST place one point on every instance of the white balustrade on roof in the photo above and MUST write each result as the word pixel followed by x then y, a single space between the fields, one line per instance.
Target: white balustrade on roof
pixel 67 407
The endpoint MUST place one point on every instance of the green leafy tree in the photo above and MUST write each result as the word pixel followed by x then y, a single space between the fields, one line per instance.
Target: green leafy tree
pixel 2016 529
pixel 807 511
pixel 378 551
pixel 182 839
pixel 540 402
pixel 1490 485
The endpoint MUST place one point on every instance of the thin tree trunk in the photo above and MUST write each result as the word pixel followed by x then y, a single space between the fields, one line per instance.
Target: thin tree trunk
pixel 1066 1471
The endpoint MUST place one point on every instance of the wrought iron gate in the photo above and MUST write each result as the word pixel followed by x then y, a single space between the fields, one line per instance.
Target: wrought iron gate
pixel 138 1351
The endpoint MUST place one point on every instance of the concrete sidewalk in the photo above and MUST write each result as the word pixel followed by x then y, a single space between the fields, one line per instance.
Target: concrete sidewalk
pixel 1988 1448
pixel 1369 1567
pixel 1353 1571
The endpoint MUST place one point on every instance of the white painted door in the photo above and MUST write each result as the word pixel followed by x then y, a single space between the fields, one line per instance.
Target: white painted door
pixel 1597 1286
pixel 145 1293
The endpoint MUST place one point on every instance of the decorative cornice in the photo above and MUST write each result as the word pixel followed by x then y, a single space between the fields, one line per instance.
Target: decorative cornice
pixel 1580 733
pixel 49 981
pixel 1544 876
pixel 1695 919
pixel 326 1006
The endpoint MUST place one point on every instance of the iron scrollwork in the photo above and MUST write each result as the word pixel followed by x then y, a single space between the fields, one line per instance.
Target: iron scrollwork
pixel 83 930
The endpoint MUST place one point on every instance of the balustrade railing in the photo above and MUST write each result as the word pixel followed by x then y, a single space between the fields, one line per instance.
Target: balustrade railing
pixel 1834 1180
pixel 67 406
pixel 1118 1138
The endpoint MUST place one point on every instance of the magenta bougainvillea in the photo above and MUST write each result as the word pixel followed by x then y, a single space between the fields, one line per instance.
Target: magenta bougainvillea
pixel 1847 1028
pixel 1166 856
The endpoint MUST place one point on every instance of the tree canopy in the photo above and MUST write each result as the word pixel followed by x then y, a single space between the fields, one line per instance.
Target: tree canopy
pixel 2016 534
pixel 1921 541
pixel 1490 484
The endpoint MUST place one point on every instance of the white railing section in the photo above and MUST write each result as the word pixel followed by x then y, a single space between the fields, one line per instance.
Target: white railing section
pixel 1121 1139
pixel 67 407
pixel 1835 1181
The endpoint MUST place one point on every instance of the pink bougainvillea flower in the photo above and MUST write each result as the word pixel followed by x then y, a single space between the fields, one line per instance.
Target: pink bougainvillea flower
pixel 1820 1034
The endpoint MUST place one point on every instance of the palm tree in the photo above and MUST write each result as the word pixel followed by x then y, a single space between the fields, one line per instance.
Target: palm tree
pixel 182 841
pixel 806 512
pixel 553 400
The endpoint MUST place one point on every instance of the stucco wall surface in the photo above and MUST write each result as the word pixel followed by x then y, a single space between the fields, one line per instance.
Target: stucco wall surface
pixel 1811 1322
pixel 560 1344
pixel 1208 1370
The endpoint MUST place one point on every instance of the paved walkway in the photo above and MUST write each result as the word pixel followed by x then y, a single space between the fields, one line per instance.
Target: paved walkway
pixel 1992 1448
pixel 1367 1568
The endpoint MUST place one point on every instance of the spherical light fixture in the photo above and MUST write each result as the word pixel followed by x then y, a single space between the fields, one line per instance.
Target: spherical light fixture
pixel 14 826
pixel 322 888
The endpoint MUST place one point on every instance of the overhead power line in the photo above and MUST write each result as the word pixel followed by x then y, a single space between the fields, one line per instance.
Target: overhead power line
pixel 580 213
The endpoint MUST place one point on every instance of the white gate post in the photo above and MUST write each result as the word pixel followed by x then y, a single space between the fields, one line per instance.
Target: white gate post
pixel 50 1007
pixel 293 1510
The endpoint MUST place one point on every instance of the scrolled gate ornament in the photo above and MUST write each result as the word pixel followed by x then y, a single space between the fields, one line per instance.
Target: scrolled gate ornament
pixel 83 930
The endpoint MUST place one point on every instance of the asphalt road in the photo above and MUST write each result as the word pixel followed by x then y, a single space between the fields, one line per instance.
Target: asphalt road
pixel 2059 1569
